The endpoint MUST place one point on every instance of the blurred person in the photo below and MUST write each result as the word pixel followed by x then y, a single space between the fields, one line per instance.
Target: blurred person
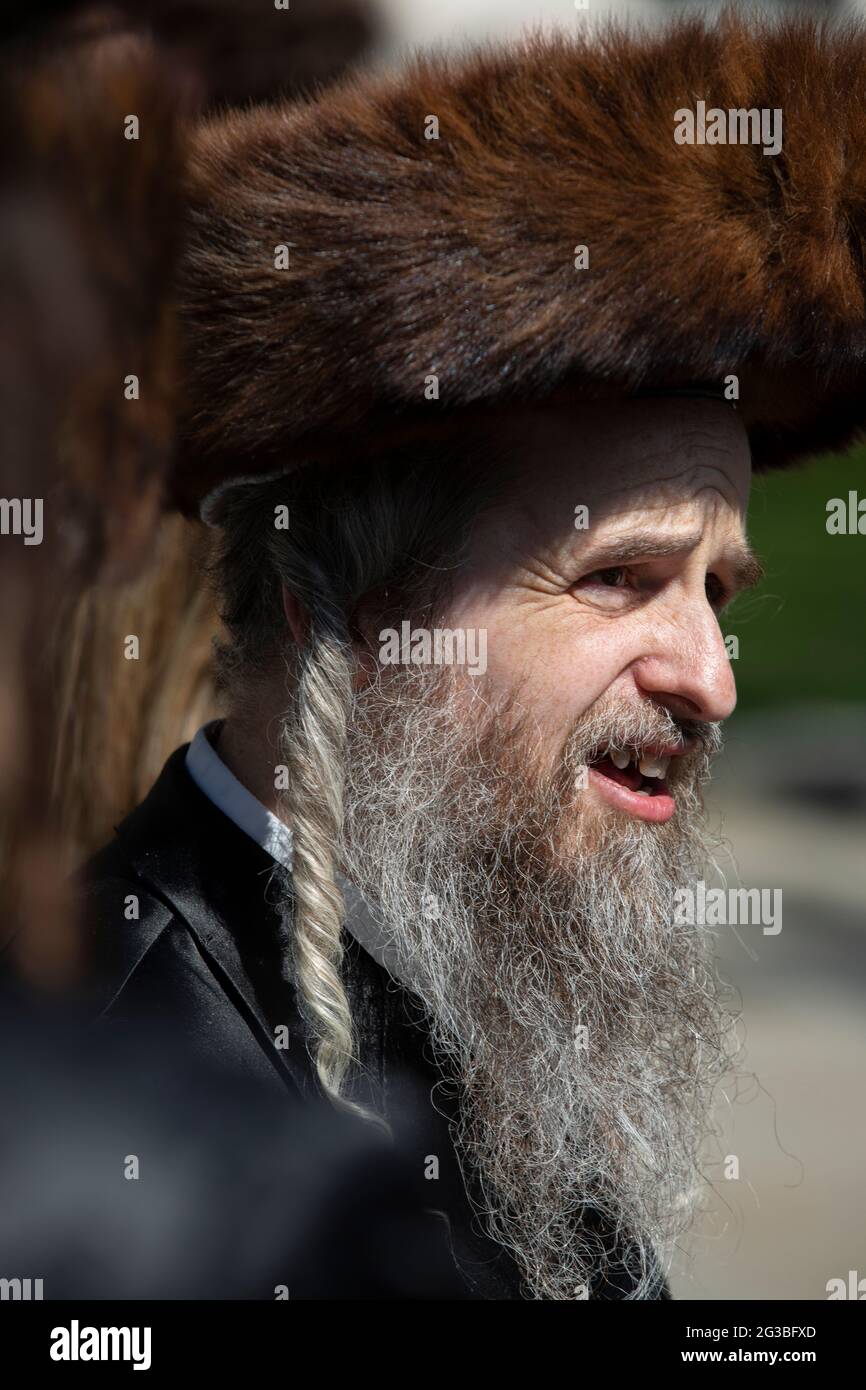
pixel 91 228
pixel 90 225
pixel 480 501
pixel 123 568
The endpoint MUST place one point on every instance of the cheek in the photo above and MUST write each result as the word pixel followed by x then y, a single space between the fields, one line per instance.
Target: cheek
pixel 561 658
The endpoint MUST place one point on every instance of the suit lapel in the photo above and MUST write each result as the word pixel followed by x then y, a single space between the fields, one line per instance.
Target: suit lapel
pixel 215 878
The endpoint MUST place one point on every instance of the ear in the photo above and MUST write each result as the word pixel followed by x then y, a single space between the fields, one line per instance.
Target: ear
pixel 299 622
pixel 364 626
pixel 296 616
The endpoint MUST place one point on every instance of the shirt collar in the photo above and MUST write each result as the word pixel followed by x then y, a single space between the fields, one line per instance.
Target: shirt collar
pixel 219 784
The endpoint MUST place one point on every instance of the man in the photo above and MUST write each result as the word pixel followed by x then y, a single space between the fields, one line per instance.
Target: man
pixel 480 501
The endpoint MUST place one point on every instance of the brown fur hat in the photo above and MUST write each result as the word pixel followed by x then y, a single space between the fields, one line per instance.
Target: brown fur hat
pixel 410 256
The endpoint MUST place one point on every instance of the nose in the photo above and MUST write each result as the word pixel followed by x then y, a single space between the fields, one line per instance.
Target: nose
pixel 687 668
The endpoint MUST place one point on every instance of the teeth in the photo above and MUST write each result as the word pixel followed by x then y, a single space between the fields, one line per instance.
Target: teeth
pixel 620 760
pixel 642 792
pixel 654 767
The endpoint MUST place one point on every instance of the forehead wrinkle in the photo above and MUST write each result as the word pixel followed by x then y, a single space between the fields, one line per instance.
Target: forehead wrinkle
pixel 669 494
pixel 688 441
pixel 660 479
pixel 545 512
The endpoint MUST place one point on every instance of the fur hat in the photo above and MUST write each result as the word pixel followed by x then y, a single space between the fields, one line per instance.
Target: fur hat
pixel 351 255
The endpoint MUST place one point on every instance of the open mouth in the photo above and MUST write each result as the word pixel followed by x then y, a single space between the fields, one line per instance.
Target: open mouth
pixel 634 782
pixel 646 775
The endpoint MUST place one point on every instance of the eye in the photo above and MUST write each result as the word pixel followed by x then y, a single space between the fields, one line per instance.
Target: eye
pixel 611 587
pixel 610 577
pixel 715 591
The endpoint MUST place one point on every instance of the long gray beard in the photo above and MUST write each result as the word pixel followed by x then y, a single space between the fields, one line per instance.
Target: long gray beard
pixel 585 1027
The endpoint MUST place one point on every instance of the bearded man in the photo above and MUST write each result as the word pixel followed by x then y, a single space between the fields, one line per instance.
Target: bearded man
pixel 499 376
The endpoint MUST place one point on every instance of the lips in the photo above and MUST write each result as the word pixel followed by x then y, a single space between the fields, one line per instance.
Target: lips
pixel 635 783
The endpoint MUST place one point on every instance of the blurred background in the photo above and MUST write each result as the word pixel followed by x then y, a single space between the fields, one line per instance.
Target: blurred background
pixel 450 22
pixel 790 799
pixel 790 794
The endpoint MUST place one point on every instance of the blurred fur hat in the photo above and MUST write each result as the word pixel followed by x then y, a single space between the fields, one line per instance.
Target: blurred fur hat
pixel 454 256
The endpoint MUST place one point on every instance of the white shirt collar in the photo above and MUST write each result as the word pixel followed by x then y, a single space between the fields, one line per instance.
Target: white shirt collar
pixel 219 785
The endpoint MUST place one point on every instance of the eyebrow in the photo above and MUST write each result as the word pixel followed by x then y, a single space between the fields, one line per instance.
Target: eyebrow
pixel 744 564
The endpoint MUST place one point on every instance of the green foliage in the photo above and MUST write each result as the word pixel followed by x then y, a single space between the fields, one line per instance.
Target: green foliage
pixel 802 631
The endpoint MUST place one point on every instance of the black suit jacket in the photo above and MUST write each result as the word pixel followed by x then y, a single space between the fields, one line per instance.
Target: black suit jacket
pixel 204 957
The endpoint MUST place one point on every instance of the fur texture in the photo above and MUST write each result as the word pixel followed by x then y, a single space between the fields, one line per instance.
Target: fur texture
pixel 455 256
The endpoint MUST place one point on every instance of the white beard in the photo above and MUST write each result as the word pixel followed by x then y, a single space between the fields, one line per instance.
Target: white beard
pixel 585 1027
